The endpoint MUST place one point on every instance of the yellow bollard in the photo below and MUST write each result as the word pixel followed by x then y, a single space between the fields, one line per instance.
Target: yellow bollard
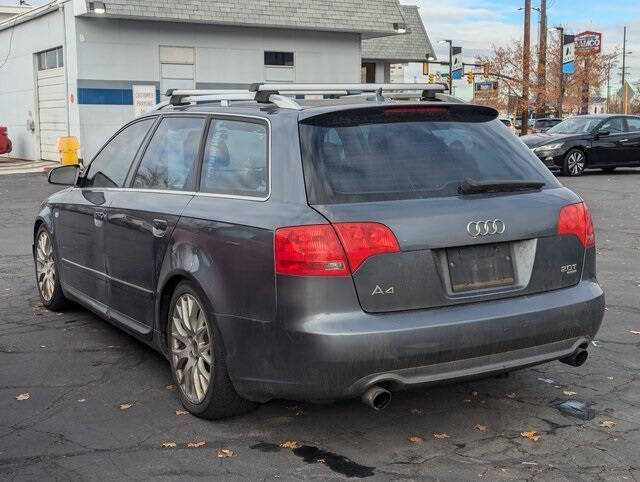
pixel 68 149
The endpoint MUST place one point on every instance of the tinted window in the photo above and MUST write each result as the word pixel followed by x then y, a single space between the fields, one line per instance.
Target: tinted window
pixel 614 126
pixel 634 124
pixel 169 161
pixel 575 125
pixel 110 167
pixel 235 159
pixel 278 58
pixel 408 153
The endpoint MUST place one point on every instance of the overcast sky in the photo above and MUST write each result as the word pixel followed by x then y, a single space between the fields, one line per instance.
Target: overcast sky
pixel 477 24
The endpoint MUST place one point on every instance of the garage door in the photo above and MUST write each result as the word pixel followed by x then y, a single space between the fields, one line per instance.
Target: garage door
pixel 52 111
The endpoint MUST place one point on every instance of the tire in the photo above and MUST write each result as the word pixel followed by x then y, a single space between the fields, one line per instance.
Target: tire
pixel 574 163
pixel 608 169
pixel 47 272
pixel 191 342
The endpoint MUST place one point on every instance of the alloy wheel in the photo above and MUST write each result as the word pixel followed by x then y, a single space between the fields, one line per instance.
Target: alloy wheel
pixel 191 347
pixel 575 163
pixel 45 266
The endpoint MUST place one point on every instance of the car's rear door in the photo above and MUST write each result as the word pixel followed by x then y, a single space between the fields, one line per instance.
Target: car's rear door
pixel 402 167
pixel 80 221
pixel 142 217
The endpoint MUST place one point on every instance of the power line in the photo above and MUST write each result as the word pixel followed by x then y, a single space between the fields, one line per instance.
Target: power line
pixel 6 59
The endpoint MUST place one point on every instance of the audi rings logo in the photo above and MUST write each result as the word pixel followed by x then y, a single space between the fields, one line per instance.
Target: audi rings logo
pixel 486 228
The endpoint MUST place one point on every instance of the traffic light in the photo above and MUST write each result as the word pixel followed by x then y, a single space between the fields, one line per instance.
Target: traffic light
pixel 470 77
pixel 486 71
pixel 425 68
pixel 431 78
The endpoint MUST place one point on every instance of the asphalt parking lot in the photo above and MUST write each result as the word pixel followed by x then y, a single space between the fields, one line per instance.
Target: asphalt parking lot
pixel 100 404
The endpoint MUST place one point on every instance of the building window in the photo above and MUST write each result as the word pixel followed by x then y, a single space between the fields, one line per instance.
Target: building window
pixel 50 59
pixel 282 59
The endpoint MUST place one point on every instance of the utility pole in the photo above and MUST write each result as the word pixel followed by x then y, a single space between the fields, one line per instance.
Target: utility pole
pixel 624 58
pixel 526 59
pixel 608 85
pixel 450 79
pixel 542 60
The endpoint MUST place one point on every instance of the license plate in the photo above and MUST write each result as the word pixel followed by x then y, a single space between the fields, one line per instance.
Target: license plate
pixel 480 267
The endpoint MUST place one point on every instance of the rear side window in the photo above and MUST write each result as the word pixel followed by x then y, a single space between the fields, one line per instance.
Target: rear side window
pixel 110 167
pixel 236 159
pixel 169 161
pixel 409 152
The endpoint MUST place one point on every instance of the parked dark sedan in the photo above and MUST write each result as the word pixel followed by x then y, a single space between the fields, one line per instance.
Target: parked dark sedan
pixel 316 252
pixel 590 141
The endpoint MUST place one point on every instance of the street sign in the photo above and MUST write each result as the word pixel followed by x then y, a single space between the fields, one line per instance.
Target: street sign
pixel 568 54
pixel 456 63
pixel 589 42
pixel 485 86
pixel 630 91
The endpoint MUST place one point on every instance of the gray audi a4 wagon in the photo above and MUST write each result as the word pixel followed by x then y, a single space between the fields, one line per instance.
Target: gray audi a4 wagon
pixel 351 246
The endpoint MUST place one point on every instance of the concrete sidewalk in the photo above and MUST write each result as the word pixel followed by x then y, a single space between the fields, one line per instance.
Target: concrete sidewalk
pixel 10 165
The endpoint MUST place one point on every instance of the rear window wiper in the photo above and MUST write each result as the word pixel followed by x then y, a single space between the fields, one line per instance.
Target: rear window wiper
pixel 469 186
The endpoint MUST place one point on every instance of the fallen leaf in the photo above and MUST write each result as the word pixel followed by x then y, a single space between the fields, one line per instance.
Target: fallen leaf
pixel 39 304
pixel 195 445
pixel 169 445
pixel 504 471
pixel 320 461
pixel 23 396
pixel 416 411
pixel 533 435
pixel 440 435
pixel 511 395
pixel 467 400
pixel 181 412
pixel 224 453
pixel 633 332
pixel 170 387
pixel 479 427
pixel 126 406
pixel 289 444
pixel 415 439
pixel 609 378
pixel 569 393
pixel 607 424
pixel 474 393
pixel 82 400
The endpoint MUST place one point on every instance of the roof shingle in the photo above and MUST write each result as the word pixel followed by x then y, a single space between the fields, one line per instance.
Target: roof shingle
pixel 413 46
pixel 369 17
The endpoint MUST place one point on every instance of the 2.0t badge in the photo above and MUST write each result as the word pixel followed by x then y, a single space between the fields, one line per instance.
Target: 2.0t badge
pixel 486 228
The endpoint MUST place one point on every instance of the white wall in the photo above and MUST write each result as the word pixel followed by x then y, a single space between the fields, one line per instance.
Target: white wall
pixel 118 53
pixel 18 77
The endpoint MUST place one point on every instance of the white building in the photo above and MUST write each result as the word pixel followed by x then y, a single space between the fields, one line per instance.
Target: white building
pixel 8 11
pixel 72 64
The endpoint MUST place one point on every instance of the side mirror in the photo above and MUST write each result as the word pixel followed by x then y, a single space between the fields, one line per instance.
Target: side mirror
pixel 64 175
pixel 602 133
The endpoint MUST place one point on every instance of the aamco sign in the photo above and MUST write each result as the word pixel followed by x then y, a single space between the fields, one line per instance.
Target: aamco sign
pixel 589 42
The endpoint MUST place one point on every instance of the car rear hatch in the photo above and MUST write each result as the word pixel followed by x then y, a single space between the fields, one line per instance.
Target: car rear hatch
pixel 474 213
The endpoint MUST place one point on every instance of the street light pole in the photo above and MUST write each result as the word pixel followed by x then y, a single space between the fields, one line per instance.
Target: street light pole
pixel 525 67
pixel 560 70
pixel 624 58
pixel 542 61
pixel 450 42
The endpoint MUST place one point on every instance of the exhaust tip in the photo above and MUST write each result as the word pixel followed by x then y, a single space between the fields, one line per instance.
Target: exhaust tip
pixel 577 359
pixel 377 398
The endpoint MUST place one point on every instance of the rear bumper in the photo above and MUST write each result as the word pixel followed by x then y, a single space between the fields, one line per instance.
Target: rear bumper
pixel 339 355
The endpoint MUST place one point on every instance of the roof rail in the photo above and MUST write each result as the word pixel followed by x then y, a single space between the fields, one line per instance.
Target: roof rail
pixel 277 93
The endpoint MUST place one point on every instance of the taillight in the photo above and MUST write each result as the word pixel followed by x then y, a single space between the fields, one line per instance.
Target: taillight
pixel 362 240
pixel 310 251
pixel 576 219
pixel 316 250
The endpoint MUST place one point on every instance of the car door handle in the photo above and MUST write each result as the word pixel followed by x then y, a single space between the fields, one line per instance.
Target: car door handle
pixel 624 140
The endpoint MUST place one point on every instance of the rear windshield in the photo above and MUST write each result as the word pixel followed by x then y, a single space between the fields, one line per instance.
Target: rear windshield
pixel 393 153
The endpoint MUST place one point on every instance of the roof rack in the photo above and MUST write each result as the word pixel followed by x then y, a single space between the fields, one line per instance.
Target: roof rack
pixel 277 94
